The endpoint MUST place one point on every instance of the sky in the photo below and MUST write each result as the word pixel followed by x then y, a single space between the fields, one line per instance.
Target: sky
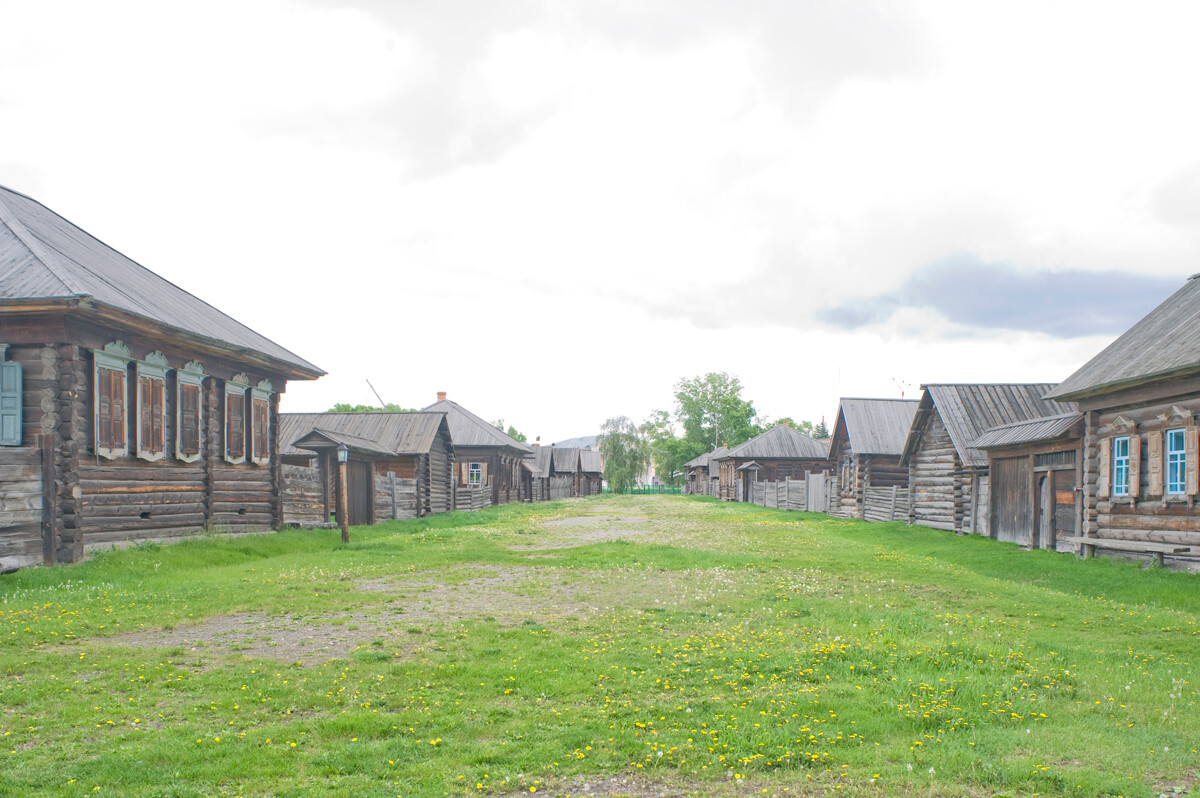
pixel 555 211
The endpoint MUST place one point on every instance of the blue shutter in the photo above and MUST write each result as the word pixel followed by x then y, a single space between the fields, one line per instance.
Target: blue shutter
pixel 10 404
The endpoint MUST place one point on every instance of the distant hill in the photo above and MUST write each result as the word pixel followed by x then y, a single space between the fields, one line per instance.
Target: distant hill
pixel 587 441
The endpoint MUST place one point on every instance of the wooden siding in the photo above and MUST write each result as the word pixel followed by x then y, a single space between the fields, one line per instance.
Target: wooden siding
pixel 932 472
pixel 304 495
pixel 21 504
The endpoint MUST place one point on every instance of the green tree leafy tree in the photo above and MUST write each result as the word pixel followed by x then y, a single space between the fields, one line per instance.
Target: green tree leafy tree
pixel 713 412
pixel 625 451
pixel 510 432
pixel 345 407
pixel 671 452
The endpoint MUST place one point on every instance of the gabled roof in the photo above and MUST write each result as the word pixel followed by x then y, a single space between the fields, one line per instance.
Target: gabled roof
pixel 700 462
pixel 1032 431
pixel 875 426
pixel 377 433
pixel 1165 343
pixel 566 460
pixel 468 429
pixel 780 442
pixel 539 462
pixel 44 258
pixel 591 462
pixel 970 410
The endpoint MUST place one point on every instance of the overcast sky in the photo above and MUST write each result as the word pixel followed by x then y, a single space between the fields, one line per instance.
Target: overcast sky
pixel 556 210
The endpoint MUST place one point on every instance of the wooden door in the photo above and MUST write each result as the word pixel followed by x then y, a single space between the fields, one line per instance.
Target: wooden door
pixel 360 489
pixel 1064 507
pixel 1012 506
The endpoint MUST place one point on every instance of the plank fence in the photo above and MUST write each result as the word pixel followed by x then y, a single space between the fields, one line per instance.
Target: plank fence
pixel 472 497
pixel 886 504
pixel 815 492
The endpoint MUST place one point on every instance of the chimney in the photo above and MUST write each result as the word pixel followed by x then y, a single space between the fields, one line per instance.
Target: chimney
pixel 441 396
pixel 787 424
pixel 727 446
pixel 537 442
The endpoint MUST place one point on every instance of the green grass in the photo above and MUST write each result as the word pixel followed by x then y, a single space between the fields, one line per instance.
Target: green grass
pixel 695 646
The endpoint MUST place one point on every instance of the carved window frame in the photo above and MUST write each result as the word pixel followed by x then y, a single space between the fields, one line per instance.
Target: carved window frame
pixel 236 386
pixel 114 357
pixel 1175 455
pixel 153 369
pixel 259 438
pixel 191 377
pixel 1120 466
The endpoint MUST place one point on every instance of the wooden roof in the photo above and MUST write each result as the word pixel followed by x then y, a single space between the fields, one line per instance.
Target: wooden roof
pixel 44 259
pixel 1164 344
pixel 1034 430
pixel 590 462
pixel 566 460
pixel 780 442
pixel 699 462
pixel 970 410
pixel 875 426
pixel 377 433
pixel 468 429
pixel 539 462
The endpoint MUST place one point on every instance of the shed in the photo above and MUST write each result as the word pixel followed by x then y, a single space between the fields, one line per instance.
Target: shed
pixel 948 477
pixel 537 468
pixel 780 453
pixel 868 439
pixel 1140 398
pixel 1034 470
pixel 700 477
pixel 401 465
pixel 489 462
pixel 130 409
pixel 591 473
pixel 564 471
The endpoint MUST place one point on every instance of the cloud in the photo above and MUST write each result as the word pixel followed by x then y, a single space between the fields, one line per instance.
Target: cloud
pixel 993 296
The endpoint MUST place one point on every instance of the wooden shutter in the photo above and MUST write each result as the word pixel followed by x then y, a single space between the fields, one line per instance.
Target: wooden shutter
pixel 10 404
pixel 1154 465
pixel 189 419
pixel 258 425
pixel 144 442
pixel 1135 465
pixel 157 415
pixel 235 425
pixel 483 478
pixel 1191 453
pixel 116 435
pixel 104 408
pixel 465 474
pixel 1105 469
pixel 150 415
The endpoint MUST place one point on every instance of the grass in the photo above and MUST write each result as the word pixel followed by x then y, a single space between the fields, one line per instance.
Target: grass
pixel 639 643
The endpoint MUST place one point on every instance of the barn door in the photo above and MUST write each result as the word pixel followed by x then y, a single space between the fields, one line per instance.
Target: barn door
pixel 1064 506
pixel 360 490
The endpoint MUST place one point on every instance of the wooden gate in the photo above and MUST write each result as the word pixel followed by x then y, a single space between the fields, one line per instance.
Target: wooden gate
pixel 1012 506
pixel 1058 507
pixel 817 487
pixel 360 487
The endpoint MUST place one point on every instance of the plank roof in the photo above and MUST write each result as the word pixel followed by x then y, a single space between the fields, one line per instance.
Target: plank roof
pixel 1034 430
pixel 1163 344
pixel 566 460
pixel 468 429
pixel 701 461
pixel 44 257
pixel 969 410
pixel 780 442
pixel 378 433
pixel 539 462
pixel 590 462
pixel 876 426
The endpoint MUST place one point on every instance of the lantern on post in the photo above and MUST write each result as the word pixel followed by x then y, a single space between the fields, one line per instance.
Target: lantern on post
pixel 343 456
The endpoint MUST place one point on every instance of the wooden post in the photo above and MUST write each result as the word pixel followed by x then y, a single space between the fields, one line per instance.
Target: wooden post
pixel 392 481
pixel 892 510
pixel 49 504
pixel 343 514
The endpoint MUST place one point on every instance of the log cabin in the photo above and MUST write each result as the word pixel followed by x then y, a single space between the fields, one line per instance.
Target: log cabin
pixel 1140 398
pixel 779 453
pixel 537 466
pixel 591 473
pixel 1034 474
pixel 399 465
pixel 131 409
pixel 868 439
pixel 700 476
pixel 488 462
pixel 564 472
pixel 948 478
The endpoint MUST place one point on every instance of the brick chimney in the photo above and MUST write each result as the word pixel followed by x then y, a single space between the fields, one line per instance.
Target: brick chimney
pixel 537 442
pixel 441 396
pixel 787 424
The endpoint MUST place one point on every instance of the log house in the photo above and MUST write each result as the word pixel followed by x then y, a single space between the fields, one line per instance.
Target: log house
pixel 487 460
pixel 777 454
pixel 868 439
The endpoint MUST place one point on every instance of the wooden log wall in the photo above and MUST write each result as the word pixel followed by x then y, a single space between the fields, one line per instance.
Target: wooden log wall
pixel 440 476
pixel 303 495
pixel 562 487
pixel 21 504
pixel 933 479
pixel 395 498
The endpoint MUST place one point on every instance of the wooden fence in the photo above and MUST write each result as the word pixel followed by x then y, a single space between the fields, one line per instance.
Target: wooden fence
pixel 472 497
pixel 810 494
pixel 395 497
pixel 886 504
pixel 21 505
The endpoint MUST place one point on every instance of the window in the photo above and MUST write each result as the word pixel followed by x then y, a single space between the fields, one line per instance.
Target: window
pixel 474 473
pixel 151 410
pixel 235 419
pixel 10 401
pixel 1176 462
pixel 1120 467
pixel 189 411
pixel 260 423
pixel 109 400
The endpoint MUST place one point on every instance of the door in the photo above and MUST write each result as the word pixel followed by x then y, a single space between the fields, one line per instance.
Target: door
pixel 1064 507
pixel 359 489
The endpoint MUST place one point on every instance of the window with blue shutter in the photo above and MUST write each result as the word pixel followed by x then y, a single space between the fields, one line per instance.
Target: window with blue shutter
pixel 10 404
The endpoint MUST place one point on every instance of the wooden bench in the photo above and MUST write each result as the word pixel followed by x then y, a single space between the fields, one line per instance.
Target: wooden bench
pixel 1087 547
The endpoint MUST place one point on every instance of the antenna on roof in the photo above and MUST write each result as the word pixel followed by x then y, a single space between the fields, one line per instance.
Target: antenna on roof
pixel 902 385
pixel 382 404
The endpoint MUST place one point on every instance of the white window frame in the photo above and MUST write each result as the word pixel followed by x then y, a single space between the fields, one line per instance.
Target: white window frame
pixel 474 473
pixel 1120 467
pixel 1175 456
pixel 235 386
pixel 191 375
pixel 154 367
pixel 261 392
pixel 114 357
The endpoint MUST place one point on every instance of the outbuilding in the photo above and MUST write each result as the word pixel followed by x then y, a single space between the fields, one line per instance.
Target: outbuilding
pixel 779 453
pixel 868 439
pixel 489 466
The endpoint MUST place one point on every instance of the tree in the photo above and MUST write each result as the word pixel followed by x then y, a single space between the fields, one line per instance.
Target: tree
pixel 670 452
pixel 510 432
pixel 626 453
pixel 713 412
pixel 821 431
pixel 345 407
